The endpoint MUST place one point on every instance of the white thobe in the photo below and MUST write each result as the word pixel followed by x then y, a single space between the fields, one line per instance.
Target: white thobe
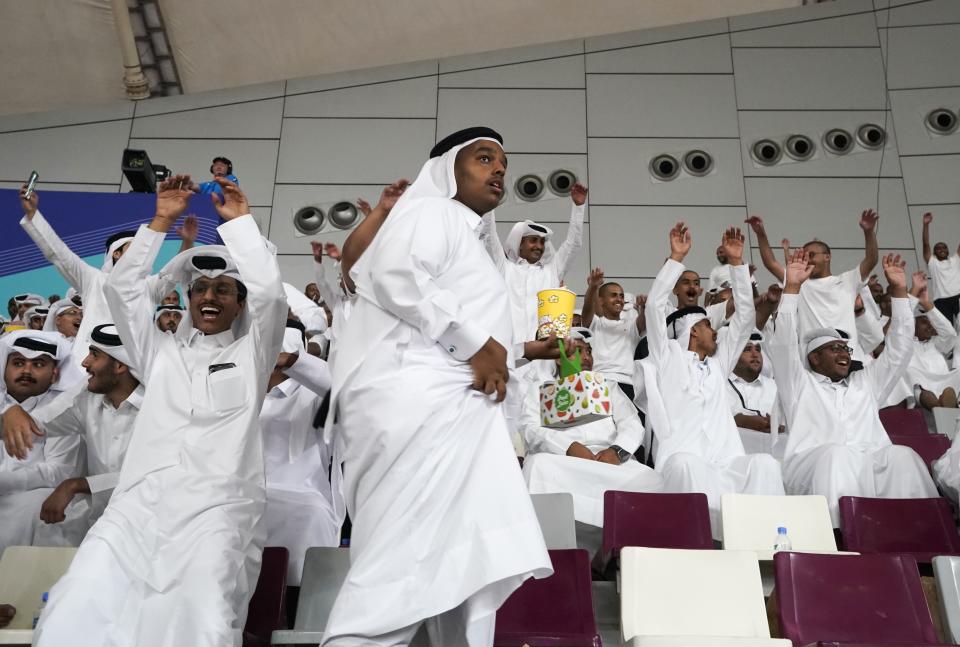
pixel 697 447
pixel 757 398
pixel 441 517
pixel 299 502
pixel 837 445
pixel 25 484
pixel 175 557
pixel 928 367
pixel 86 279
pixel 106 431
pixel 525 280
pixel 828 303
pixel 869 324
pixel 614 343
pixel 547 468
pixel 944 276
pixel 719 275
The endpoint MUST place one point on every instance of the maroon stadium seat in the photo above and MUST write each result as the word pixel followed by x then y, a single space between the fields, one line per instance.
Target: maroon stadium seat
pixel 903 422
pixel 922 528
pixel 267 610
pixel 930 447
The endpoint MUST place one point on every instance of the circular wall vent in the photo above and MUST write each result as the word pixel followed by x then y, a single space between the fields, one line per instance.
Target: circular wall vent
pixel 838 141
pixel 766 152
pixel 871 136
pixel 941 121
pixel 698 163
pixel 561 182
pixel 308 220
pixel 529 187
pixel 344 215
pixel 800 147
pixel 664 167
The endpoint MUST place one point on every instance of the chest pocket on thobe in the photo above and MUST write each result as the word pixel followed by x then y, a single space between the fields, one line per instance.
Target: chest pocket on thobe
pixel 226 389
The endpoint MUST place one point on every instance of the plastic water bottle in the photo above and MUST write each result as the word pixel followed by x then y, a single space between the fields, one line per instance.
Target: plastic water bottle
pixel 783 541
pixel 43 604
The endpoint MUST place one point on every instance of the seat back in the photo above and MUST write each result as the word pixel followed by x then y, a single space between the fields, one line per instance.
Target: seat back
pixel 921 527
pixel 555 611
pixel 903 422
pixel 853 598
pixel 930 447
pixel 750 522
pixel 324 570
pixel 267 610
pixel 946 569
pixel 26 572
pixel 555 514
pixel 667 592
pixel 947 421
pixel 654 521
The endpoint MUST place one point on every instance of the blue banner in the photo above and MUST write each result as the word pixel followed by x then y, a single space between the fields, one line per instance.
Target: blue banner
pixel 83 221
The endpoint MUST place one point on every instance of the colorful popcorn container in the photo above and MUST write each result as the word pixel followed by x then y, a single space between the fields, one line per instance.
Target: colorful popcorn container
pixel 554 312
pixel 575 400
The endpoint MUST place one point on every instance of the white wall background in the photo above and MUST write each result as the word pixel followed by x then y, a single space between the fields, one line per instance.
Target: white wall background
pixel 604 106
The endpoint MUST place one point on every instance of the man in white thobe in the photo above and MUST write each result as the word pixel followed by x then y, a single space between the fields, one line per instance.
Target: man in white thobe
pixel 86 279
pixel 753 402
pixel 300 511
pixel 934 381
pixel 697 447
pixel 443 528
pixel 168 316
pixel 944 271
pixel 175 557
pixel 101 411
pixel 30 360
pixel 837 445
pixel 827 300
pixel 616 331
pixel 589 459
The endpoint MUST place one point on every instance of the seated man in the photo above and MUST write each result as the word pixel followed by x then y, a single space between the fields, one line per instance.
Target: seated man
pixel 837 445
pixel 696 446
pixel 168 317
pixel 65 317
pixel 101 411
pixel 36 317
pixel 934 382
pixel 585 460
pixel 30 361
pixel 753 398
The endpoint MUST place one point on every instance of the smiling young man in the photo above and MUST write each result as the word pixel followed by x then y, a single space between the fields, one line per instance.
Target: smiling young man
pixel 837 445
pixel 443 528
pixel 944 271
pixel 176 555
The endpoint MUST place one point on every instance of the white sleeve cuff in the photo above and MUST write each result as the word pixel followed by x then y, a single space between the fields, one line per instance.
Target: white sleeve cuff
pixel 463 340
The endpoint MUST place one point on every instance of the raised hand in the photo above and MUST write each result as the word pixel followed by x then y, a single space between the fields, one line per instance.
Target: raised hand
pixel 234 203
pixel 391 193
pixel 796 271
pixel 579 194
pixel 332 251
pixel 896 276
pixel 317 249
pixel 364 206
pixel 189 229
pixel 595 278
pixel 732 244
pixel 29 205
pixel 927 218
pixel 680 242
pixel 919 280
pixel 641 302
pixel 868 220
pixel 773 293
pixel 756 224
pixel 173 196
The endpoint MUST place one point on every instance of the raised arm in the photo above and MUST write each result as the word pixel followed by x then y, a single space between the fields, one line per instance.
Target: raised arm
pixel 329 294
pixel 946 338
pixel 898 349
pixel 766 304
pixel 868 223
pixel 364 233
pixel 589 311
pixel 927 249
pixel 126 290
pixel 188 232
pixel 744 315
pixel 660 291
pixel 783 346
pixel 766 252
pixel 574 240
pixel 72 268
pixel 312 372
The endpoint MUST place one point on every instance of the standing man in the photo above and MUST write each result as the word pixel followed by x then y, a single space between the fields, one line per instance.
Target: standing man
pixel 944 271
pixel 175 557
pixel 220 167
pixel 837 445
pixel 616 331
pixel 443 529
pixel 753 398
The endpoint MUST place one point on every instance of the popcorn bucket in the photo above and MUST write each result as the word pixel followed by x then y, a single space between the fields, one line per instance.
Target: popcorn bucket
pixel 554 312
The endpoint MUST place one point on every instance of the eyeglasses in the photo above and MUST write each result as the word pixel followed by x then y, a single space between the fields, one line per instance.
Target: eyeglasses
pixel 219 289
pixel 839 348
pixel 69 312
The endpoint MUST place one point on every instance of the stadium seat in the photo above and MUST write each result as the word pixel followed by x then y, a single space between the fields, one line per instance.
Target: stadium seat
pixel 750 522
pixel 653 521
pixel 922 528
pixel 553 612
pixel 929 447
pixel 946 570
pixel 555 514
pixel 903 422
pixel 267 610
pixel 26 572
pixel 852 600
pixel 324 570
pixel 947 421
pixel 692 597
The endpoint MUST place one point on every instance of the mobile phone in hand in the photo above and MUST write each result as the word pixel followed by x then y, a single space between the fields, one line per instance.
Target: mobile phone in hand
pixel 31 185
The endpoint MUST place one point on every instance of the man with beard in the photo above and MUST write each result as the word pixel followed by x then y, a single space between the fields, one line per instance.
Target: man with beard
pixel 168 317
pixel 944 273
pixel 443 529
pixel 753 398
pixel 837 445
pixel 30 361
pixel 35 317
pixel 101 411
